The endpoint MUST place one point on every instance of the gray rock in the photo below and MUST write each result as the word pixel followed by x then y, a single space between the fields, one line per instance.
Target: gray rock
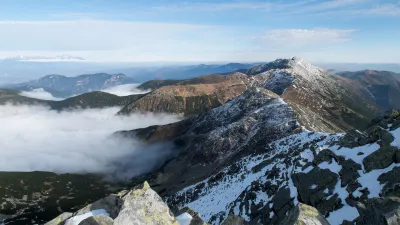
pixel 196 219
pixel 395 125
pixel 311 189
pixel 397 156
pixel 354 138
pixel 304 214
pixel 380 159
pixel 97 220
pixel 379 211
pixel 282 202
pixel 59 220
pixel 112 204
pixel 391 181
pixel 376 133
pixel 234 220
pixel 142 206
pixel 349 172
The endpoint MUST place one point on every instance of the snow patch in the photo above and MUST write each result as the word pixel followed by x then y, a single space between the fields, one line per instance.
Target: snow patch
pixel 184 219
pixel 77 219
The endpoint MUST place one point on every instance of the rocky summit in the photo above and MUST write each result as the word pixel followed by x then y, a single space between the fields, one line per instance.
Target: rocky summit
pixel 140 205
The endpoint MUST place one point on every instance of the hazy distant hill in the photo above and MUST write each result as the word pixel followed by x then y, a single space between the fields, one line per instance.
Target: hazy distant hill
pixel 382 86
pixel 96 99
pixel 182 72
pixel 63 86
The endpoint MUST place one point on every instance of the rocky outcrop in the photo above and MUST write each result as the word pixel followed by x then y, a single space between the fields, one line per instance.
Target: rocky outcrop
pixel 140 205
pixel 329 172
pixel 379 211
pixel 304 214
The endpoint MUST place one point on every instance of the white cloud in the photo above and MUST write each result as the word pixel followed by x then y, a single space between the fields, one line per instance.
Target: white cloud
pixel 124 90
pixel 91 35
pixel 303 37
pixel 79 141
pixel 114 41
pixel 331 5
pixel 384 10
pixel 39 93
pixel 207 6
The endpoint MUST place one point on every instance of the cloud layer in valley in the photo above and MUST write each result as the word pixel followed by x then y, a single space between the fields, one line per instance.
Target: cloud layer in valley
pixel 39 93
pixel 124 90
pixel 35 138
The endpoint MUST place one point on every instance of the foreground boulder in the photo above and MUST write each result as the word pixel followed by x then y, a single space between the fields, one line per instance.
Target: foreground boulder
pixel 140 206
pixel 304 214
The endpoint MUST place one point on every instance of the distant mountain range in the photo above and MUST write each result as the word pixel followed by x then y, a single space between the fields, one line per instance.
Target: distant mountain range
pixel 63 86
pixel 383 86
pixel 182 72
pixel 58 58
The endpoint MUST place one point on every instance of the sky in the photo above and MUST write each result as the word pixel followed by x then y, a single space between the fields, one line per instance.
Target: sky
pixel 357 31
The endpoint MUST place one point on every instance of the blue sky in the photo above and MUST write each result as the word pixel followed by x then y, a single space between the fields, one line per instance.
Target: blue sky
pixel 204 30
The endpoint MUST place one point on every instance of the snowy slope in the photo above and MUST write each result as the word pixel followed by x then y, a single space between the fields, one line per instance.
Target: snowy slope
pixel 263 187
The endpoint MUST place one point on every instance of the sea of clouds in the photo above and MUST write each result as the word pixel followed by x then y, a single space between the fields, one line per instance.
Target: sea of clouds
pixel 35 138
pixel 120 90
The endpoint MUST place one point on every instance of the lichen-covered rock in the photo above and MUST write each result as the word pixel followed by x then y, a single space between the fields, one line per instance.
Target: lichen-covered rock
pixel 100 219
pixel 304 214
pixel 380 159
pixel 393 113
pixel 142 206
pixel 234 220
pixel 379 211
pixel 139 206
pixel 59 220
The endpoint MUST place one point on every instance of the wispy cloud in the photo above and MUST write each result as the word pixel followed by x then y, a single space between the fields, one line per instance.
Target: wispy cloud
pixel 301 6
pixel 303 37
pixel 206 6
pixel 91 35
pixel 385 9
